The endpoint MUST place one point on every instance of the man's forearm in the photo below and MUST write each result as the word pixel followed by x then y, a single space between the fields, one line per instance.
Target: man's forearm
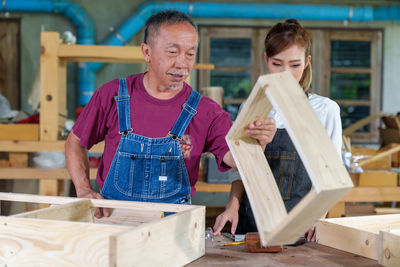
pixel 77 162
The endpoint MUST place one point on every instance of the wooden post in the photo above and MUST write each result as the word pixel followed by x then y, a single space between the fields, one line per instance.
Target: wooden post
pixel 52 74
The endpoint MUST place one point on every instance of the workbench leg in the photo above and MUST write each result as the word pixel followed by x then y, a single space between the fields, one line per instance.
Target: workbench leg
pixel 337 211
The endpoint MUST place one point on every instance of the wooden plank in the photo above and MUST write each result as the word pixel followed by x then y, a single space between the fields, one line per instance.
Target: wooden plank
pixel 49 81
pixel 35 242
pixel 380 211
pixel 352 240
pixel 213 188
pixel 389 249
pixel 359 194
pixel 337 211
pixel 130 217
pixel 100 53
pixel 78 211
pixel 37 146
pixel 380 155
pixel 358 235
pixel 263 193
pixel 34 173
pixel 172 249
pixel 19 132
pixel 18 159
pixel 360 123
pixel 376 178
pixel 104 203
pixel 306 213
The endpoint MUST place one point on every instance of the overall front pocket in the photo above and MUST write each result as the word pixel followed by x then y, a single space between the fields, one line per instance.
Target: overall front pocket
pixel 128 175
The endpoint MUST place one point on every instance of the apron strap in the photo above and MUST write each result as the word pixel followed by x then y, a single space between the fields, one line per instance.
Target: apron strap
pixel 122 100
pixel 187 113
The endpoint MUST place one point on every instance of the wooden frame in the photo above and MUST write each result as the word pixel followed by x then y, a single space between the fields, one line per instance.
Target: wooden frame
pixel 376 237
pixel 328 175
pixel 68 234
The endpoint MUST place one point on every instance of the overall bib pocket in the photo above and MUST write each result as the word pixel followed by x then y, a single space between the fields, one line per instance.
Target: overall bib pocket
pixel 166 176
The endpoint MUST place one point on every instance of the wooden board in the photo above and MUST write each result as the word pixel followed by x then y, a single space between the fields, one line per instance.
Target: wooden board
pixel 389 247
pixel 21 132
pixel 327 173
pixel 378 178
pixel 358 235
pixel 52 237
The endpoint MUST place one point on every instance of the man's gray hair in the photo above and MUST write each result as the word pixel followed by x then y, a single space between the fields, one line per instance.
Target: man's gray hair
pixel 169 17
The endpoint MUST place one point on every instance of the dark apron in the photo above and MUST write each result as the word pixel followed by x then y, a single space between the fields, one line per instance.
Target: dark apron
pixel 290 176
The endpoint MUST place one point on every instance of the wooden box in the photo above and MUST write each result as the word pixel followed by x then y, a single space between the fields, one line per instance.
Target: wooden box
pixel 67 234
pixel 376 237
pixel 322 162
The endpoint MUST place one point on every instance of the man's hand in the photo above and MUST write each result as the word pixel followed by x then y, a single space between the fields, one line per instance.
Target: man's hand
pixel 263 130
pixel 231 215
pixel 89 193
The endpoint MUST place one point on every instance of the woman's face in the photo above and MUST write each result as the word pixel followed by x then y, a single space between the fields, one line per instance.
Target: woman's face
pixel 292 58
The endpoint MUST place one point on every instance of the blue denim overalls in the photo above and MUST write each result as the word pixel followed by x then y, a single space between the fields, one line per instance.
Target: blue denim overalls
pixel 290 176
pixel 149 169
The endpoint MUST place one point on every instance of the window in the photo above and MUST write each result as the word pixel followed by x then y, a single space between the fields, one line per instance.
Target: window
pixel 237 56
pixel 349 72
pixel 346 68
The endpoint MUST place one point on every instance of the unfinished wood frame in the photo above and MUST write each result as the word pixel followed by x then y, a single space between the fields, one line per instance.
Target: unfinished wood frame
pixel 67 234
pixel 327 173
pixel 376 237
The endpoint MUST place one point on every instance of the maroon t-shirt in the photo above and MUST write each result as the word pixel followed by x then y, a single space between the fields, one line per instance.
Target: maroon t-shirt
pixel 152 117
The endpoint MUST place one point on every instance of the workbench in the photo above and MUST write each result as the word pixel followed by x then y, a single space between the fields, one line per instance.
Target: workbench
pixel 310 254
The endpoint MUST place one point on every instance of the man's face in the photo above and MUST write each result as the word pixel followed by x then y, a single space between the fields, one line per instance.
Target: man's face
pixel 171 54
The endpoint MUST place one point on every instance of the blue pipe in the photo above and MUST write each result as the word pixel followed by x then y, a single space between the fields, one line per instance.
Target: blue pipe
pixel 251 11
pixel 136 21
pixel 85 33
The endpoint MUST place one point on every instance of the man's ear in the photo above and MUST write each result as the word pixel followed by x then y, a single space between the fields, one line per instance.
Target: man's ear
pixel 146 50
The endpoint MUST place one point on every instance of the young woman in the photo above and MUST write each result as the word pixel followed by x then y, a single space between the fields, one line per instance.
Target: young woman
pixel 287 47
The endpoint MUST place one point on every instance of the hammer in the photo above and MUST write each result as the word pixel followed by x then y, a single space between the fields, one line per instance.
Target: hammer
pixel 252 243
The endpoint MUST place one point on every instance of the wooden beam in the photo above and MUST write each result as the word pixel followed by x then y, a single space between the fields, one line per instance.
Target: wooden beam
pixel 360 123
pixel 78 211
pixel 37 146
pixel 360 194
pixel 19 132
pixel 34 173
pixel 389 248
pixel 34 242
pixel 213 188
pixel 130 217
pixel 103 203
pixel 358 235
pixel 174 250
pixel 100 53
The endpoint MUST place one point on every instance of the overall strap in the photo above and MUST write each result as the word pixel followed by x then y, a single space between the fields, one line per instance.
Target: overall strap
pixel 122 100
pixel 187 113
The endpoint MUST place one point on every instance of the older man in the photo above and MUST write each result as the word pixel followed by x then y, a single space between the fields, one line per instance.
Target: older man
pixel 155 126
